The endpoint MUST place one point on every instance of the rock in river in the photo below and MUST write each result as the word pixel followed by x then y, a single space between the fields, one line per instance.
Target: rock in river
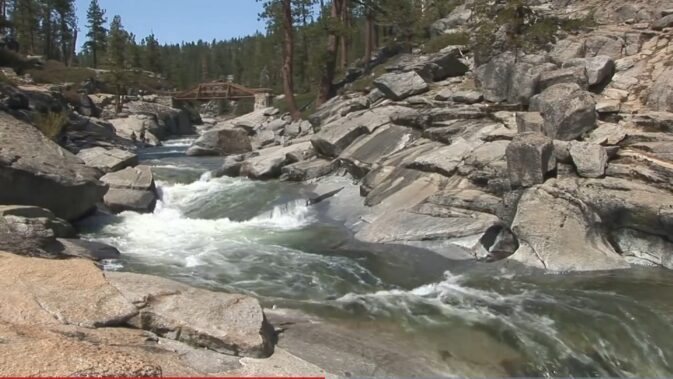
pixel 131 189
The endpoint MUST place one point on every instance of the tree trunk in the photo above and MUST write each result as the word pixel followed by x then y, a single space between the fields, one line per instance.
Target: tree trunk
pixel 345 40
pixel 72 55
pixel 47 33
pixel 64 42
pixel 288 56
pixel 329 66
pixel 369 38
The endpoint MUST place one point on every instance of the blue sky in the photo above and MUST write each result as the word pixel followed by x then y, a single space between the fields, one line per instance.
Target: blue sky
pixel 174 21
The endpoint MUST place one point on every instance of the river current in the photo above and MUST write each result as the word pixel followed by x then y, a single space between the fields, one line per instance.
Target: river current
pixel 261 239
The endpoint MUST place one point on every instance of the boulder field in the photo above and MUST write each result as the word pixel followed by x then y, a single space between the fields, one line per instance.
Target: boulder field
pixel 557 159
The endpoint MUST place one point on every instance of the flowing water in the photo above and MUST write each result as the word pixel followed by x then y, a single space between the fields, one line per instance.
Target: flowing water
pixel 261 238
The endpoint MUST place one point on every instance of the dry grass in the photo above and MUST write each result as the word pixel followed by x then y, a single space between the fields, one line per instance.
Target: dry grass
pixel 51 124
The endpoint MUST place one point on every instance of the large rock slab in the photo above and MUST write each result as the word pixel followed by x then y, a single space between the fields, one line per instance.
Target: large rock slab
pixel 444 160
pixel 47 292
pixel 660 97
pixel 574 74
pixel 227 323
pixel 131 189
pixel 530 158
pixel 107 160
pixel 370 149
pixel 336 136
pixel 32 350
pixel 599 70
pixel 170 121
pixel 494 77
pixel 269 163
pixel 308 169
pixel 567 109
pixel 135 124
pixel 400 86
pixel 139 178
pixel 644 249
pixel 36 171
pixel 563 237
pixel 222 141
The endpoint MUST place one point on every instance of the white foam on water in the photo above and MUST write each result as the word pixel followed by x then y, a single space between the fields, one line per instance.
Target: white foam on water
pixel 179 142
pixel 168 234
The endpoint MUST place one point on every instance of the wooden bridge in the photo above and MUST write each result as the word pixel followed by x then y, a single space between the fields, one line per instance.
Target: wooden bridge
pixel 220 91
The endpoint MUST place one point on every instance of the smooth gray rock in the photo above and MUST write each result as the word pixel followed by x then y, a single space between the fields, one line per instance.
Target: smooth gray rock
pixel 444 160
pixel 36 171
pixel 529 122
pixel 644 249
pixel 120 200
pixel 107 160
pixel 400 86
pixel 336 136
pixel 227 323
pixel 563 237
pixel 95 251
pixel 223 141
pixel 589 159
pixel 131 189
pixel 575 74
pixel 270 161
pixel 530 158
pixel 664 22
pixel 494 77
pixel 566 50
pixel 135 124
pixel 170 121
pixel 467 97
pixel 309 169
pixel 369 150
pixel 660 97
pixel 568 111
pixel 457 18
pixel 231 166
pixel 139 178
pixel 599 69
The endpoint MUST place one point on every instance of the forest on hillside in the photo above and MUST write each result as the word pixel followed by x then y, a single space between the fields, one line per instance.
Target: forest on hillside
pixel 326 38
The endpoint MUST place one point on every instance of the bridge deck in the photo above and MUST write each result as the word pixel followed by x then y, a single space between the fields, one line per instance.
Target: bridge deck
pixel 219 91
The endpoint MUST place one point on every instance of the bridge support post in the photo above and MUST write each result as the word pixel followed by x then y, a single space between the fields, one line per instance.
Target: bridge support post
pixel 263 100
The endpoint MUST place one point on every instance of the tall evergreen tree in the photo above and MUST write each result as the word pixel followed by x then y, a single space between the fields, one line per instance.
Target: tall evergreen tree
pixel 97 35
pixel 117 57
pixel 67 22
pixel 25 19
pixel 152 54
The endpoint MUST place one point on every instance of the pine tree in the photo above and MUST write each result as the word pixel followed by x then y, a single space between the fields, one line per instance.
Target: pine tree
pixel 152 54
pixel 97 43
pixel 25 19
pixel 117 57
pixel 67 21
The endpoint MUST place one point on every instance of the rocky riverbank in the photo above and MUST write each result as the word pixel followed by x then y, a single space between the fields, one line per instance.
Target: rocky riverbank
pixel 558 159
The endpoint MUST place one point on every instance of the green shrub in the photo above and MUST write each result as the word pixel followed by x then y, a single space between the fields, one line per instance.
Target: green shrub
pixel 51 124
pixel 437 43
